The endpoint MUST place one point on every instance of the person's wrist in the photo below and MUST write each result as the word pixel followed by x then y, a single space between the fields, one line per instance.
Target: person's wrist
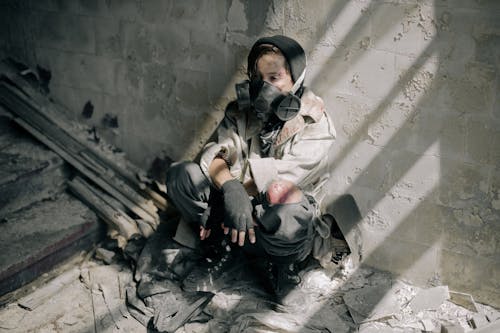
pixel 219 172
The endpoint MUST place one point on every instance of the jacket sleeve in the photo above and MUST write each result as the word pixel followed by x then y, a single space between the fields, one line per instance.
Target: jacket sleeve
pixel 228 141
pixel 301 159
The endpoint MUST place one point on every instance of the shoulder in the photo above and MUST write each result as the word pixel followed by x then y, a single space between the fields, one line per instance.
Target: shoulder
pixel 311 106
pixel 232 109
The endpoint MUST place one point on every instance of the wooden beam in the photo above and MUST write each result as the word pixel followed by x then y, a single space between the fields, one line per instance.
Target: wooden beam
pixel 69 149
pixel 41 103
pixel 110 215
pixel 88 173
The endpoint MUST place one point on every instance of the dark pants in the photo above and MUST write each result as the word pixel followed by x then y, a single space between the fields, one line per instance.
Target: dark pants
pixel 189 189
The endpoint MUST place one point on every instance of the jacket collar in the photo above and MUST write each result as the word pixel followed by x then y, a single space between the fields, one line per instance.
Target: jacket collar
pixel 312 107
pixel 311 110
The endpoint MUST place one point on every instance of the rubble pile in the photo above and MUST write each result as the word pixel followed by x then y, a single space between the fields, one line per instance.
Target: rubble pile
pixel 340 299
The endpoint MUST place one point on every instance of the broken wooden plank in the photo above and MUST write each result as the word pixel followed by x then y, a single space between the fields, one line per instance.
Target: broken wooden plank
pixel 90 174
pixel 110 201
pixel 159 200
pixel 145 227
pixel 42 103
pixel 37 298
pixel 111 216
pixel 27 110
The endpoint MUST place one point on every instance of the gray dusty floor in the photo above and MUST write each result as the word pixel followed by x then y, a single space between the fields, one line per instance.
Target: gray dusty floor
pixel 91 298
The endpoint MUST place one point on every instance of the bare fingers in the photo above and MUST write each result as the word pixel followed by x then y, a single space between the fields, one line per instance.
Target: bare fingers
pixel 251 235
pixel 238 236
pixel 241 238
pixel 226 229
pixel 204 233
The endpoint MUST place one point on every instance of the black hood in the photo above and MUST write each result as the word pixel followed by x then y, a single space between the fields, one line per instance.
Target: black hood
pixel 293 52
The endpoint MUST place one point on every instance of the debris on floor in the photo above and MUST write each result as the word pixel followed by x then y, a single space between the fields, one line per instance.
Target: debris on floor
pixel 150 291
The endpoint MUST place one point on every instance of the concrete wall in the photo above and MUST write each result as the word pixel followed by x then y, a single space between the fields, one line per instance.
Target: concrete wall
pixel 412 86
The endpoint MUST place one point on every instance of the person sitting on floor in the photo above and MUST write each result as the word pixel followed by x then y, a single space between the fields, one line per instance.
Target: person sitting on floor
pixel 261 177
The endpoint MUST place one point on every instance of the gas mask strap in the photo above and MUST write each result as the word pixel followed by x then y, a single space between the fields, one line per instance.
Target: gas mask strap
pixel 299 82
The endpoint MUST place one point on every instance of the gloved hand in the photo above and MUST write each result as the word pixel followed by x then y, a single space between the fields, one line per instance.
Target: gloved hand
pixel 238 209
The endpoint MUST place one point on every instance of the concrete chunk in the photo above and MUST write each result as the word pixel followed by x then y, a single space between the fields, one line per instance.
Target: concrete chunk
pixel 428 325
pixel 478 320
pixel 429 299
pixel 464 300
pixel 372 303
pixel 452 328
pixel 489 328
pixel 104 255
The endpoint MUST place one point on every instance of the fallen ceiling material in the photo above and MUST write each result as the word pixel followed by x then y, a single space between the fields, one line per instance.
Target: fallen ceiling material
pixel 112 188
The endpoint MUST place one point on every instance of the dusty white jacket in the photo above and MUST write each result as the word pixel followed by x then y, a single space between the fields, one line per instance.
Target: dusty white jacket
pixel 299 154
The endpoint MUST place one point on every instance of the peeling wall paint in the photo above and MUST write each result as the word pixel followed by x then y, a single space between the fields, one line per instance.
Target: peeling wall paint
pixel 412 86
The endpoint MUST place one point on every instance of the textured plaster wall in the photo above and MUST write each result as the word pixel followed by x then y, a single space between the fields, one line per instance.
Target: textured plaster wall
pixel 412 87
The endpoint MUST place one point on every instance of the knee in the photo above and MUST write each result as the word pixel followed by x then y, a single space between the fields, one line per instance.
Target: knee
pixel 180 175
pixel 283 191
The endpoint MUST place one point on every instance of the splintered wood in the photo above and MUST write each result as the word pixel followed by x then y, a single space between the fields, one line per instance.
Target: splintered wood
pixel 115 192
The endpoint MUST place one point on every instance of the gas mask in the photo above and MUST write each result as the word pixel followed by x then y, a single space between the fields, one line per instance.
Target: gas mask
pixel 266 100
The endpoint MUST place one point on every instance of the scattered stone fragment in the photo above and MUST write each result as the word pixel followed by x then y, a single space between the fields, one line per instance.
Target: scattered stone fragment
pixel 428 325
pixel 405 324
pixel 374 327
pixel 464 300
pixel 372 302
pixel 493 316
pixel 490 328
pixel 478 320
pixel 104 255
pixel 32 301
pixel 429 299
pixel 327 320
pixel 70 320
pixel 452 328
